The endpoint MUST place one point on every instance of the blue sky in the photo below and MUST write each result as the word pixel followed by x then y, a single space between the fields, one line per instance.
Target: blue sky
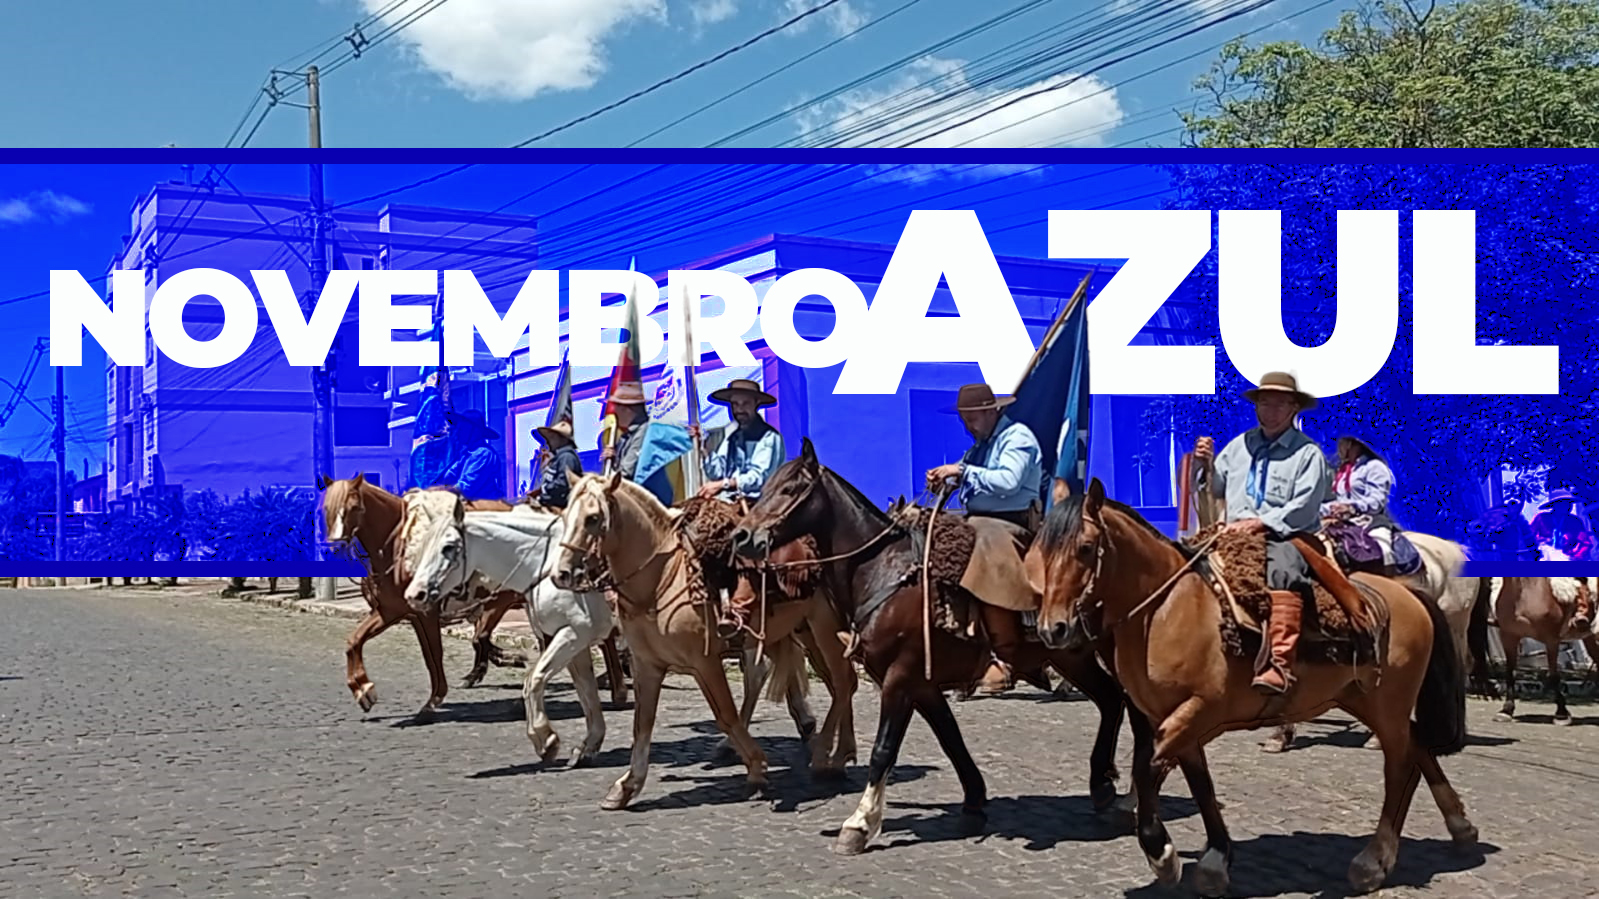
pixel 488 73
pixel 73 217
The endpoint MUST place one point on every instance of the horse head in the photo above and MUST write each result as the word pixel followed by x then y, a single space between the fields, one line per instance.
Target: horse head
pixel 343 506
pixel 790 505
pixel 588 537
pixel 1071 548
pixel 436 558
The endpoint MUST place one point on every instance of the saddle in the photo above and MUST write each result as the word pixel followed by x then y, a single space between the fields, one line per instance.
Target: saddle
pixel 974 562
pixel 1347 624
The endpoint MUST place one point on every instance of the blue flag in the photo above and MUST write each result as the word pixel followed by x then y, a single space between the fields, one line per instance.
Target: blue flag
pixel 1052 399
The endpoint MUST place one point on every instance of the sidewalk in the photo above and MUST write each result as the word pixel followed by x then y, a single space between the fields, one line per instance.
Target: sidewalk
pixel 513 631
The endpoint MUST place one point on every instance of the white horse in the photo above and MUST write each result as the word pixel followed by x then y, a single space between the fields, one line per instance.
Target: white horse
pixel 1438 580
pixel 512 551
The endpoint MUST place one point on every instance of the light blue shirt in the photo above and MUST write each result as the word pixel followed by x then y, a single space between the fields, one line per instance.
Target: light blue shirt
pixel 1282 483
pixel 1004 473
pixel 750 457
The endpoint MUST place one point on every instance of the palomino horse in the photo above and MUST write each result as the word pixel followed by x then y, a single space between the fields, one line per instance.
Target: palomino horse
pixel 618 530
pixel 1539 608
pixel 1439 581
pixel 1113 580
pixel 356 511
pixel 871 562
pixel 511 551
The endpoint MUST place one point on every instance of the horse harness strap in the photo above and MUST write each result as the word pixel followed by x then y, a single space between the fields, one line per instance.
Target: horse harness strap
pixel 1159 593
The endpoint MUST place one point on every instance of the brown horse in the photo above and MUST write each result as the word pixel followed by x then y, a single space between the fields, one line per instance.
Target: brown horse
pixel 616 530
pixel 1114 581
pixel 872 564
pixel 356 511
pixel 1539 608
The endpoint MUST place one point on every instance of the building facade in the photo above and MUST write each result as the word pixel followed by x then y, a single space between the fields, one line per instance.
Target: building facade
pixel 248 425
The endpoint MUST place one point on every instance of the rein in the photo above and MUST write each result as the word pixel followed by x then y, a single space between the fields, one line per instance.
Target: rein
pixel 1159 593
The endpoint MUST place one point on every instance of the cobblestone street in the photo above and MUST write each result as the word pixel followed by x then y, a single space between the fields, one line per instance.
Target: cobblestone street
pixel 154 744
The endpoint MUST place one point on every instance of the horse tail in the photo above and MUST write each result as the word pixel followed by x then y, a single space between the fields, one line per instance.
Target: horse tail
pixel 1441 706
pixel 788 670
pixel 1477 628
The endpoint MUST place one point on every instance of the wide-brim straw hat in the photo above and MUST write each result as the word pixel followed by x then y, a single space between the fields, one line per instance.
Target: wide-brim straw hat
pixel 629 393
pixel 1365 448
pixel 743 385
pixel 561 429
pixel 979 397
pixel 1281 382
pixel 1556 496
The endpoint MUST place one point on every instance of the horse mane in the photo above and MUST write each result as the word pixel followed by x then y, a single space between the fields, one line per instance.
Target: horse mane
pixel 854 493
pixel 1064 522
pixel 659 515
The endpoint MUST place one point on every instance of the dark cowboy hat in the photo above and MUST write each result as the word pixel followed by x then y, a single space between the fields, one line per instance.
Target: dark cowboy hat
pixel 1365 448
pixel 629 393
pixel 977 397
pixel 743 385
pixel 1559 495
pixel 475 418
pixel 549 433
pixel 1281 382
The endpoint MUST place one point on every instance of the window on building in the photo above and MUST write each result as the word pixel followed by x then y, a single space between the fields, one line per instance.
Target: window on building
pixel 360 426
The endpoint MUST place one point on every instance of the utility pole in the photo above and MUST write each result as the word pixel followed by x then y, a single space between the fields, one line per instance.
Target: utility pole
pixel 321 386
pixel 61 463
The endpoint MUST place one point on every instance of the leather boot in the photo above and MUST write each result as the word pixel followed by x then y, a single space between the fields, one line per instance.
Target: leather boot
pixel 1582 618
pixel 1282 630
pixel 732 619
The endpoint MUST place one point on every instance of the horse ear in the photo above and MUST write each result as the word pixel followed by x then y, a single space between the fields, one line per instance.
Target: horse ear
pixel 615 482
pixel 360 478
pixel 1096 499
pixel 571 479
pixel 322 483
pixel 808 454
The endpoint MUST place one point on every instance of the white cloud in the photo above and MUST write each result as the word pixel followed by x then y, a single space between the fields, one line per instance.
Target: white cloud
pixel 710 12
pixel 921 173
pixel 933 105
pixel 840 18
pixel 514 49
pixel 44 204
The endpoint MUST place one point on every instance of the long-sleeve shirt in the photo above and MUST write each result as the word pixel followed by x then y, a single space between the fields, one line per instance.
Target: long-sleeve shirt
pixel 1566 533
pixel 629 445
pixel 1003 473
pixel 553 487
pixel 1281 482
pixel 477 474
pixel 1365 488
pixel 749 456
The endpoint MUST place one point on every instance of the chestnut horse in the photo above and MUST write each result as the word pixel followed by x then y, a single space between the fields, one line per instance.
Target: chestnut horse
pixel 617 531
pixel 1112 580
pixel 356 511
pixel 1539 608
pixel 870 562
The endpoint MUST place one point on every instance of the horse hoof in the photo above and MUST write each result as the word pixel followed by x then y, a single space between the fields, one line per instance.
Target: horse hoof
pixel 551 749
pixel 425 714
pixel 617 799
pixel 1504 717
pixel 1168 868
pixel 754 789
pixel 1124 811
pixel 367 698
pixel 1103 795
pixel 724 751
pixel 581 759
pixel 850 842
pixel 1462 831
pixel 1274 744
pixel 1563 721
pixel 973 821
pixel 1366 873
pixel 1210 877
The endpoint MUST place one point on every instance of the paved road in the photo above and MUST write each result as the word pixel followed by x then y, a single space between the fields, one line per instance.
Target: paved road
pixel 152 745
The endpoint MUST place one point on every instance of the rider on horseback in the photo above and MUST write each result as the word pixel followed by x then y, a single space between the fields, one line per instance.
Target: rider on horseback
pixel 1361 487
pixel 1272 478
pixel 1558 527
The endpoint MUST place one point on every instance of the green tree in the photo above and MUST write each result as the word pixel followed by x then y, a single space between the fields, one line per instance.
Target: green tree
pixel 1413 73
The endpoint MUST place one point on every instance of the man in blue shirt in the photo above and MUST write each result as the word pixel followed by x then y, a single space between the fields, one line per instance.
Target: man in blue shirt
pixel 1002 477
pixel 560 457
pixel 475 468
pixel 1272 479
pixel 746 460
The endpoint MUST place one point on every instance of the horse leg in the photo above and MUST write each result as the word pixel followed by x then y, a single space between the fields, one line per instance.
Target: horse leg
pixel 719 696
pixel 1557 683
pixel 364 691
pixel 836 747
pixel 1280 739
pixel 1083 671
pixel 484 650
pixel 1152 836
pixel 1461 830
pixel 647 679
pixel 431 636
pixel 587 687
pixel 614 677
pixel 894 718
pixel 754 675
pixel 558 654
pixel 935 710
pixel 1211 877
pixel 1400 775
pixel 1512 647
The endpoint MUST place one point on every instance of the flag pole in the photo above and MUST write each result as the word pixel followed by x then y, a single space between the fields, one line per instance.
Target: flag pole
pixel 1054 329
pixel 694 471
pixel 609 426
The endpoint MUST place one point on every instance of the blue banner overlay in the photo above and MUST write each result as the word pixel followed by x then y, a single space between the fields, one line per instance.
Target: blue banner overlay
pixel 179 468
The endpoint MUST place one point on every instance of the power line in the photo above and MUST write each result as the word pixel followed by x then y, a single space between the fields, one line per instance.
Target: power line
pixel 680 75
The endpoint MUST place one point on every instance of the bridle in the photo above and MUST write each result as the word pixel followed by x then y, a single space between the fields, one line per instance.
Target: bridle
pixel 594 558
pixel 1088 603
